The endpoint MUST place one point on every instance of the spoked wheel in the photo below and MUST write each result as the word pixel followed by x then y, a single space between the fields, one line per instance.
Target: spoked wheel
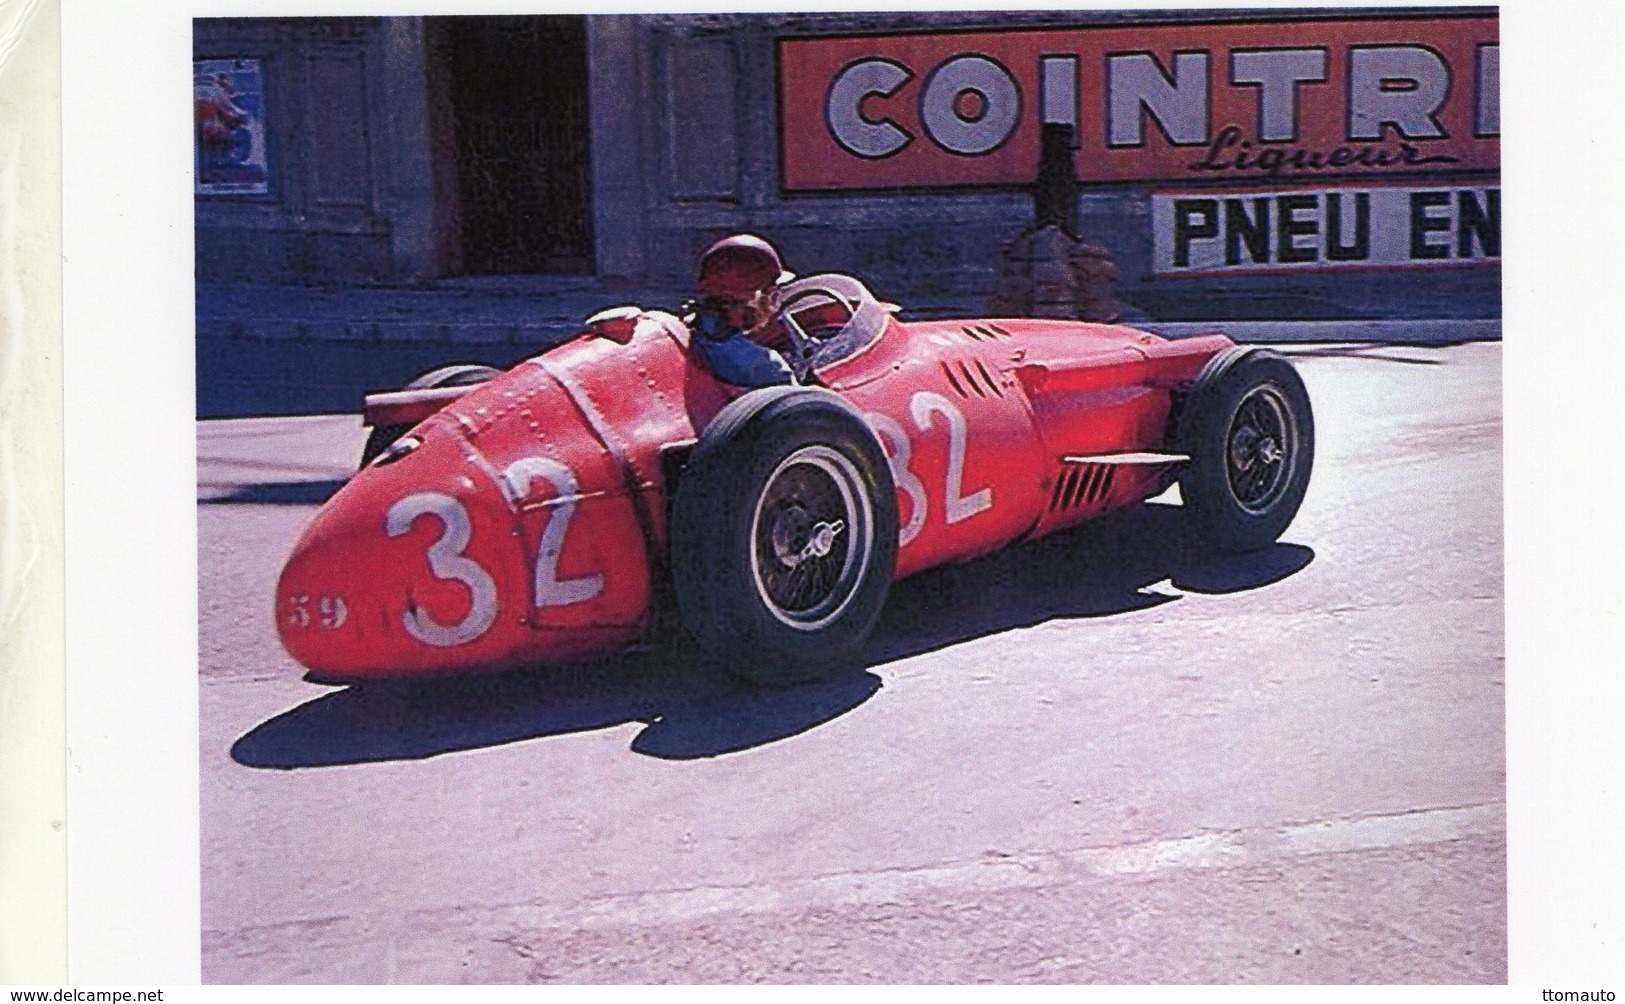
pixel 1251 436
pixel 784 535
pixel 814 535
pixel 1260 448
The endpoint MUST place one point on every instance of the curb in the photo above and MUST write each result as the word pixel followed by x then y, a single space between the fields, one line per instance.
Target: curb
pixel 1407 332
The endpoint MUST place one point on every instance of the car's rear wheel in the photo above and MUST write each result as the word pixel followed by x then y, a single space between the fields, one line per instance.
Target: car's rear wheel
pixel 1248 428
pixel 784 535
pixel 455 375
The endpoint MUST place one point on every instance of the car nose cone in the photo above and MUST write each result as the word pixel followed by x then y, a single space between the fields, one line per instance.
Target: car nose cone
pixel 403 572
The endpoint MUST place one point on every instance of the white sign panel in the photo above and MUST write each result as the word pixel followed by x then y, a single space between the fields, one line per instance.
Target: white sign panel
pixel 1299 228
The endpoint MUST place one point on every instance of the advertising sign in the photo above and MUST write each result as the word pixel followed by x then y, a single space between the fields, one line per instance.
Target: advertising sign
pixel 1300 228
pixel 228 114
pixel 1232 102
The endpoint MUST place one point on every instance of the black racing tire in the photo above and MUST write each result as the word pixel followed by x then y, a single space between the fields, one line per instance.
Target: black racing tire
pixel 455 375
pixel 784 535
pixel 1250 433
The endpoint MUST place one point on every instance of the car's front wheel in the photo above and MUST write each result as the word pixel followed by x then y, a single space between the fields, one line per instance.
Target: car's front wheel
pixel 784 535
pixel 1249 431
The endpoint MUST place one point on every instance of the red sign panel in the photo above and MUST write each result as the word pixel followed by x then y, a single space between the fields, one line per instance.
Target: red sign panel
pixel 1255 101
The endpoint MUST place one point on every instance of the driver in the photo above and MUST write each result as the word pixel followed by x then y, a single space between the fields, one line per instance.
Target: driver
pixel 740 278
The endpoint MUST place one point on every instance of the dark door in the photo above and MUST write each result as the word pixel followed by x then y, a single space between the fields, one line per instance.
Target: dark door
pixel 516 97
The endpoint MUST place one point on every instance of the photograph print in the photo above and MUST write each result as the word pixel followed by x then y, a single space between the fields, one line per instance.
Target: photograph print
pixel 924 497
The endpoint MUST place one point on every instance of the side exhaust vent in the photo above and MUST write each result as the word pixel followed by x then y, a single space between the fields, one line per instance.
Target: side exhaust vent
pixel 1081 485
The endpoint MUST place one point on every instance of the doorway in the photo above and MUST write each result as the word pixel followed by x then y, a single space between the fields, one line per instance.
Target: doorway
pixel 512 96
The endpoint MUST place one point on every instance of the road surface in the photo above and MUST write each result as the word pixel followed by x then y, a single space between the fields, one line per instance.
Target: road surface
pixel 1094 758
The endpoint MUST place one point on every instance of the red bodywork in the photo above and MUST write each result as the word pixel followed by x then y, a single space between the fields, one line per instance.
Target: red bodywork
pixel 529 526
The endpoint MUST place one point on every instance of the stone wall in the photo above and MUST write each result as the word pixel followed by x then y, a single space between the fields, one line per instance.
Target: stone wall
pixel 351 197
pixel 684 148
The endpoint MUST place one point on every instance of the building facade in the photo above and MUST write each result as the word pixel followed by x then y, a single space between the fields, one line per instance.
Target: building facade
pixel 1236 164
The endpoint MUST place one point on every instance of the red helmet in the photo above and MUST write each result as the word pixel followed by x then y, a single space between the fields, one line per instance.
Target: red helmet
pixel 739 267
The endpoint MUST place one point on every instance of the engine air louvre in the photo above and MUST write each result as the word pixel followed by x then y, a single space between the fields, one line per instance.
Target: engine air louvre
pixel 1082 484
pixel 1074 490
pixel 992 383
pixel 1064 488
pixel 1071 497
pixel 1102 484
pixel 970 378
pixel 985 333
pixel 954 380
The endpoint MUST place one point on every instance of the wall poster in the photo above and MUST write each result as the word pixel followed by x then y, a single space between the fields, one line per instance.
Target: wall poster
pixel 1224 102
pixel 228 113
pixel 1308 228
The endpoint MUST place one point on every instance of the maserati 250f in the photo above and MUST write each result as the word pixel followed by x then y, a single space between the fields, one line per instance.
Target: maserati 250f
pixel 537 515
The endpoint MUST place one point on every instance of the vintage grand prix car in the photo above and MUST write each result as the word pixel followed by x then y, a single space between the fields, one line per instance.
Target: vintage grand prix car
pixel 536 516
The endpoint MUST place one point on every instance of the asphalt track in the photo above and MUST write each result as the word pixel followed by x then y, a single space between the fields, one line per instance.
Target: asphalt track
pixel 1096 758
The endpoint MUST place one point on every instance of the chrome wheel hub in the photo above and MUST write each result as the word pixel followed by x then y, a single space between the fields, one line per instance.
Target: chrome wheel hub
pixel 1259 449
pixel 812 534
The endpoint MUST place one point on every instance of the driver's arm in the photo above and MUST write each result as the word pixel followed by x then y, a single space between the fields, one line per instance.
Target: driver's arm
pixel 732 356
pixel 738 360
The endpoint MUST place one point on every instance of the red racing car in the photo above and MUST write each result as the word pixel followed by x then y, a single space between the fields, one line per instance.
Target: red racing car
pixel 537 516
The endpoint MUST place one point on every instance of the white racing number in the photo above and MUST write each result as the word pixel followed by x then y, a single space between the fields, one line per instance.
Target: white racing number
pixel 447 561
pixel 956 506
pixel 549 590
pixel 899 451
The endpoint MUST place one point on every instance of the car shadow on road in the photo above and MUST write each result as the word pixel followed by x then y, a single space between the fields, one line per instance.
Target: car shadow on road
pixel 690 709
pixel 307 493
pixel 687 707
pixel 1133 560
